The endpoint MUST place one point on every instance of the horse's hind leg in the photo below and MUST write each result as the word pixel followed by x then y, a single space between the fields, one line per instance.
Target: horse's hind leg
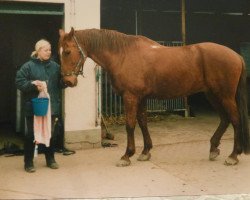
pixel 229 113
pixel 233 113
pixel 131 106
pixel 224 123
pixel 215 139
pixel 142 121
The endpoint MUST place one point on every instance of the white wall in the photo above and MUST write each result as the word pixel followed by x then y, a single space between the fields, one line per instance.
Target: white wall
pixel 80 102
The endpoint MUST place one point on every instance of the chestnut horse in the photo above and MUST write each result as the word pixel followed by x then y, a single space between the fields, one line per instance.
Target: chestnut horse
pixel 140 68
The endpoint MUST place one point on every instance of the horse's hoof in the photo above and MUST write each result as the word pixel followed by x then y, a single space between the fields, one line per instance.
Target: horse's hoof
pixel 231 161
pixel 144 157
pixel 214 154
pixel 123 163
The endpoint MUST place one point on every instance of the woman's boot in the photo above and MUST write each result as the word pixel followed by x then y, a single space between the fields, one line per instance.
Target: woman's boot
pixel 29 147
pixel 50 159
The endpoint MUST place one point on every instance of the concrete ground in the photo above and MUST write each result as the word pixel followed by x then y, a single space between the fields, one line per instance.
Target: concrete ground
pixel 179 168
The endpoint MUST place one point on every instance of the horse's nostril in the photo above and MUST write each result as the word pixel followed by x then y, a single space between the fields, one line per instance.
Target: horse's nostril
pixel 68 83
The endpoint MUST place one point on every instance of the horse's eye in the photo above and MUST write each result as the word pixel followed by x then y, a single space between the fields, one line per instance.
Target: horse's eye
pixel 66 52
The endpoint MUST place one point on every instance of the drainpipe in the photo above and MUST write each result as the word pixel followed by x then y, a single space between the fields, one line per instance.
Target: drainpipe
pixel 138 18
pixel 183 33
pixel 98 73
pixel 72 13
pixel 183 21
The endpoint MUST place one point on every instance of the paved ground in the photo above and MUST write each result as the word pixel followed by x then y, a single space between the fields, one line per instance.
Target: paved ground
pixel 179 168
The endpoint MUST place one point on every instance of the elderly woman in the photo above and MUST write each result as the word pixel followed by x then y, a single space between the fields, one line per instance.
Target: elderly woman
pixel 40 68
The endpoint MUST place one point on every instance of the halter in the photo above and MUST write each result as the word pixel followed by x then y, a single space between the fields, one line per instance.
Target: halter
pixel 79 64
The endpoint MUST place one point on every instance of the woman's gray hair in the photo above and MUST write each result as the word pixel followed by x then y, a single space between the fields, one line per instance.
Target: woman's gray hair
pixel 40 44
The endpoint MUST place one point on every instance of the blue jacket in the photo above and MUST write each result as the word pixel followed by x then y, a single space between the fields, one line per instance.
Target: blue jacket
pixel 36 69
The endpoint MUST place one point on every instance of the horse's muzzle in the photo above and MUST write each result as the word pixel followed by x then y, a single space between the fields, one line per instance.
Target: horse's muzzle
pixel 70 82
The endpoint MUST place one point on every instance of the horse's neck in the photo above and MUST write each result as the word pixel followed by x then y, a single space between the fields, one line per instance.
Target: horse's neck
pixel 100 48
pixel 106 60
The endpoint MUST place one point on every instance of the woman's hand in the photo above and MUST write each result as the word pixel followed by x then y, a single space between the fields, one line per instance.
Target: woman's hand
pixel 39 85
pixel 40 88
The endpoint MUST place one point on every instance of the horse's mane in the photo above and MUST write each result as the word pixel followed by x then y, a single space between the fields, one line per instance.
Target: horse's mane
pixel 96 40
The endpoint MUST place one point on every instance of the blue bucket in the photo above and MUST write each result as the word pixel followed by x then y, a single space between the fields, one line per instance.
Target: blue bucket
pixel 40 106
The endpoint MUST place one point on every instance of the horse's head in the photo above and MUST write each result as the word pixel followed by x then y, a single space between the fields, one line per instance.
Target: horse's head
pixel 72 57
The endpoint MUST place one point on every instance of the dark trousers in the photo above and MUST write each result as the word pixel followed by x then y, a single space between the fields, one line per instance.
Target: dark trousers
pixel 58 133
pixel 29 145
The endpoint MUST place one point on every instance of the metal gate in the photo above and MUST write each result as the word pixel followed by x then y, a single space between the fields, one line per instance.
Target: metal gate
pixel 112 104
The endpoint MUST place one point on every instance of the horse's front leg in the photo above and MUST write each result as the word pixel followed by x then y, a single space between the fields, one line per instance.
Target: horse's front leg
pixel 142 121
pixel 131 106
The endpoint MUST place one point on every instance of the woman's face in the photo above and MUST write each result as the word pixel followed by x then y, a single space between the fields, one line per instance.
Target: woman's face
pixel 44 53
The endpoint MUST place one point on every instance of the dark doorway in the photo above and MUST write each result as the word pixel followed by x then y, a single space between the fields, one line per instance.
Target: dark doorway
pixel 18 35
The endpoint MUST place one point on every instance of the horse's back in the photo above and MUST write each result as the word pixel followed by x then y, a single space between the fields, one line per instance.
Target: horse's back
pixel 181 71
pixel 216 51
pixel 150 69
pixel 175 71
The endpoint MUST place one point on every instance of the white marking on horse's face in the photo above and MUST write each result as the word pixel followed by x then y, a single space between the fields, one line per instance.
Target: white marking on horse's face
pixel 155 46
pixel 61 50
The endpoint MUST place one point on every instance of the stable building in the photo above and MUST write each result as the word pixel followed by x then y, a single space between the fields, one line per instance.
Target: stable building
pixel 170 22
pixel 174 22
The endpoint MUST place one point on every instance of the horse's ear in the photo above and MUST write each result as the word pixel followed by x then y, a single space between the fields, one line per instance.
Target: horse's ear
pixel 71 33
pixel 61 32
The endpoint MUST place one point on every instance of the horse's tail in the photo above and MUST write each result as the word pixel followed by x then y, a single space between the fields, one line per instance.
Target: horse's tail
pixel 241 100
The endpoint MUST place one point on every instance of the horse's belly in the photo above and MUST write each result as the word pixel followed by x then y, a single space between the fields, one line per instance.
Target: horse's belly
pixel 177 88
